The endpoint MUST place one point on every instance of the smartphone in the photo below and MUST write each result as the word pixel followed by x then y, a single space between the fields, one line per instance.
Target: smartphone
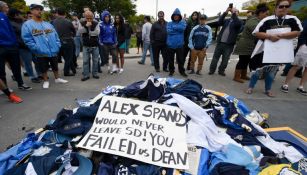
pixel 231 5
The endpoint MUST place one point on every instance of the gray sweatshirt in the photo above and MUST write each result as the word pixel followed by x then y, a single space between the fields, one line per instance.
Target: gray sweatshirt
pixel 146 32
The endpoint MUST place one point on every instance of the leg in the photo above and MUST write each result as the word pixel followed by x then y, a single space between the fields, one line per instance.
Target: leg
pixel 269 78
pixel 3 55
pixel 95 60
pixel 146 47
pixel 156 55
pixel 113 52
pixel 14 62
pixel 122 59
pixel 181 60
pixel 225 57
pixel 239 68
pixel 193 59
pixel 215 59
pixel 86 62
pixel 164 56
pixel 201 58
pixel 54 66
pixel 286 69
pixel 291 73
pixel 26 56
pixel 304 78
pixel 151 55
pixel 254 79
pixel 171 59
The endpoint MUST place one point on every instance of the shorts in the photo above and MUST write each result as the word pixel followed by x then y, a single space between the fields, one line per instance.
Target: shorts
pixel 123 46
pixel 139 42
pixel 45 62
pixel 301 57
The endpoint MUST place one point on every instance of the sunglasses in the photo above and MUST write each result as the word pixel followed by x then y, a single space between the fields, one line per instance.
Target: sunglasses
pixel 283 6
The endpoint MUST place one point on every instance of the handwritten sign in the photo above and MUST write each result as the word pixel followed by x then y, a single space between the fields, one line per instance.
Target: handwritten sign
pixel 148 132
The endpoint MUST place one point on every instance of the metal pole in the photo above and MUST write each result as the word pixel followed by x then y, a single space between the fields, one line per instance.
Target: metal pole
pixel 157 2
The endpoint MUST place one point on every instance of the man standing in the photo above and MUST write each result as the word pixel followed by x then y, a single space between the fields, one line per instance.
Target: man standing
pixel 146 40
pixel 199 41
pixel 158 37
pixel 89 31
pixel 9 49
pixel 226 40
pixel 108 38
pixel 175 42
pixel 42 39
pixel 66 32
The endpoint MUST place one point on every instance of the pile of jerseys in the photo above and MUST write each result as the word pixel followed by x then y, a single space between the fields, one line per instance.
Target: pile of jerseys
pixel 223 137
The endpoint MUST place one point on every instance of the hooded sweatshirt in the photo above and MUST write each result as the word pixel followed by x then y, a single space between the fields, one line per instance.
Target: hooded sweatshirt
pixel 190 25
pixel 7 35
pixel 107 34
pixel 175 31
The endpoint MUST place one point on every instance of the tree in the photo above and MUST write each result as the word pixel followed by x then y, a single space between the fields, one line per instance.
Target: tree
pixel 123 7
pixel 301 13
pixel 18 4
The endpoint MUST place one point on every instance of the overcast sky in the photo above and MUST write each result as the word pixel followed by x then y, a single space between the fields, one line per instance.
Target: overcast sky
pixel 210 7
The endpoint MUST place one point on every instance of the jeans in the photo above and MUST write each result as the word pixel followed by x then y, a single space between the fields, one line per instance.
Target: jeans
pixel 110 49
pixel 147 46
pixel 171 59
pixel 128 45
pixel 27 59
pixel 88 53
pixel 68 53
pixel 269 78
pixel 11 55
pixel 156 49
pixel 223 50
pixel 78 43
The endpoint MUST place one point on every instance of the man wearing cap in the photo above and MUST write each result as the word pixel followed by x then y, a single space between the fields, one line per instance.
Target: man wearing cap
pixel 66 32
pixel 199 40
pixel 226 40
pixel 175 42
pixel 9 48
pixel 158 37
pixel 42 39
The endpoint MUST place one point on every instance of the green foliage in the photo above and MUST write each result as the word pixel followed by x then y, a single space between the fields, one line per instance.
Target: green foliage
pixel 136 19
pixel 18 4
pixel 301 13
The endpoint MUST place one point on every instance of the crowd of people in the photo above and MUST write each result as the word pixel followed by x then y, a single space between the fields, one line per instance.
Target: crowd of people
pixel 30 39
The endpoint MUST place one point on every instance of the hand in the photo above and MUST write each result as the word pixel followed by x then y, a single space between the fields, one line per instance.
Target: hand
pixel 228 10
pixel 273 38
pixel 88 24
pixel 234 10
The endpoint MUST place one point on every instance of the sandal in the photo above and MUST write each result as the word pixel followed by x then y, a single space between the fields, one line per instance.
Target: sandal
pixel 269 94
pixel 249 91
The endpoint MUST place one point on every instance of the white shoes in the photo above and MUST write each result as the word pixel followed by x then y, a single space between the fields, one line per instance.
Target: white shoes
pixel 60 81
pixel 121 70
pixel 46 85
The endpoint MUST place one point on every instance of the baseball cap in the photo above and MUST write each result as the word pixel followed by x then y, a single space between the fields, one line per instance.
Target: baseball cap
pixel 204 17
pixel 36 6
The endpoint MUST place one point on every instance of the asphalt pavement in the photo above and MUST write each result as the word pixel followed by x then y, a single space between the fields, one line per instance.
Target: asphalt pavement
pixel 42 105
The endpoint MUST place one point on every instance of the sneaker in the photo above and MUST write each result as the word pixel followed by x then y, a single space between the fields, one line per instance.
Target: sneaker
pixel 211 73
pixel 140 62
pixel 60 80
pixel 46 85
pixel 183 74
pixel 301 91
pixel 36 80
pixel 192 72
pixel 14 98
pixel 85 78
pixel 121 70
pixel 25 74
pixel 198 72
pixel 95 76
pixel 24 87
pixel 222 74
pixel 284 88
pixel 157 70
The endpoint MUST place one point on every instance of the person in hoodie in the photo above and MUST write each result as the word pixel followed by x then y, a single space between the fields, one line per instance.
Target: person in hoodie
pixel 158 37
pixel 121 42
pixel 175 42
pixel 9 49
pixel 199 41
pixel 191 23
pixel 226 40
pixel 43 41
pixel 108 39
pixel 26 56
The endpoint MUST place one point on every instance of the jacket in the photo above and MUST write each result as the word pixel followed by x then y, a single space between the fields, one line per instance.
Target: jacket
pixel 175 31
pixel 158 32
pixel 247 41
pixel 146 32
pixel 234 28
pixel 41 38
pixel 17 24
pixel 129 31
pixel 200 37
pixel 190 25
pixel 64 28
pixel 107 31
pixel 7 35
pixel 89 35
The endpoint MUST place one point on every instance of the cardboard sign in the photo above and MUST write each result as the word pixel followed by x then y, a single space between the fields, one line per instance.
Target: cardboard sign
pixel 281 51
pixel 148 132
